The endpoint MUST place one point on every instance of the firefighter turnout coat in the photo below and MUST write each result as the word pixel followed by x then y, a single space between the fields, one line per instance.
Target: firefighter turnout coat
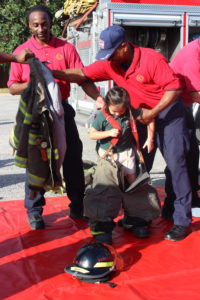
pixel 38 136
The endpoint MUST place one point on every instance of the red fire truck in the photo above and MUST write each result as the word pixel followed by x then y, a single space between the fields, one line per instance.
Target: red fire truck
pixel 164 25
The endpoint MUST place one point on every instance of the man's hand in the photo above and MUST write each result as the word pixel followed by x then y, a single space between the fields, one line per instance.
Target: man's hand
pixel 100 102
pixel 146 116
pixel 23 55
pixel 167 99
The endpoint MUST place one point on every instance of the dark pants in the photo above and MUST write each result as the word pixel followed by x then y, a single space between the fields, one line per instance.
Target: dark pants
pixel 72 169
pixel 172 138
pixel 148 157
pixel 192 166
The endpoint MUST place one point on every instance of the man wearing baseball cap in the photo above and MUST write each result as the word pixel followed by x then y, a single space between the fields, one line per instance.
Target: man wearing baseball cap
pixel 154 93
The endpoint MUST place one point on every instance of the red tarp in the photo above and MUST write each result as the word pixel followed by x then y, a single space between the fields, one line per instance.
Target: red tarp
pixel 32 262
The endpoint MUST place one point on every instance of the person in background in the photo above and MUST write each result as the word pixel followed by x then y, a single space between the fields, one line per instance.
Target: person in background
pixel 117 106
pixel 60 55
pixel 21 57
pixel 189 72
pixel 154 92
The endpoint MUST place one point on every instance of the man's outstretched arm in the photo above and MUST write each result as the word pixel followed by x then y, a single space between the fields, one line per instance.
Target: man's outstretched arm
pixel 91 90
pixel 21 57
pixel 77 76
pixel 70 75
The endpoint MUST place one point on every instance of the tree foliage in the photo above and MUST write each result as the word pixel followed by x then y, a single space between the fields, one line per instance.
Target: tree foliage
pixel 13 28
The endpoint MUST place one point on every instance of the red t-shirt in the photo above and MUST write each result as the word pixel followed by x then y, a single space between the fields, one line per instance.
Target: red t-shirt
pixel 186 64
pixel 60 54
pixel 146 80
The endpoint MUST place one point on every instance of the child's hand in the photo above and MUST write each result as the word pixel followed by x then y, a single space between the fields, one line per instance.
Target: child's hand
pixel 114 132
pixel 149 144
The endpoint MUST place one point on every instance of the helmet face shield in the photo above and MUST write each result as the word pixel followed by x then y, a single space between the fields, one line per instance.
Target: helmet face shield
pixel 94 262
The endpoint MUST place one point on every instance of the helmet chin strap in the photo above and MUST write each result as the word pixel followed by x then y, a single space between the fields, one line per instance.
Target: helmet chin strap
pixel 111 284
pixel 97 281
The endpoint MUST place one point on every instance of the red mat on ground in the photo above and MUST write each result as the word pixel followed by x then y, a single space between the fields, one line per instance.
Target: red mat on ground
pixel 32 262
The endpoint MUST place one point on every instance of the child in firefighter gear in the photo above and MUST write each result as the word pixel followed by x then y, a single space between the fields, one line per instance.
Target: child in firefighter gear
pixel 107 185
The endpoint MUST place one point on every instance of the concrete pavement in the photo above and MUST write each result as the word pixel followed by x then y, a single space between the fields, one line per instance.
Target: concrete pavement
pixel 12 178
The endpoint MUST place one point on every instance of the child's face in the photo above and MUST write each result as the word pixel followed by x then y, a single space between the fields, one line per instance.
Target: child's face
pixel 117 110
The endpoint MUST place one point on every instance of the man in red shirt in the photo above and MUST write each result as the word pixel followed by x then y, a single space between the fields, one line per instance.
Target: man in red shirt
pixel 189 72
pixel 60 56
pixel 154 92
